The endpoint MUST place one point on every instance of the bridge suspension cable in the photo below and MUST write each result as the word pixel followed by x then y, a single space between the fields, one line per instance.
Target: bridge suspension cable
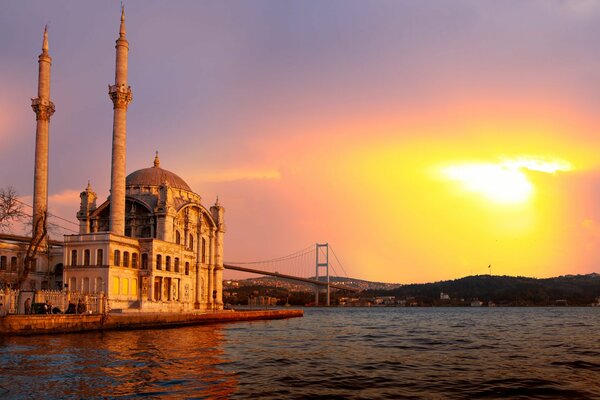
pixel 296 254
pixel 339 262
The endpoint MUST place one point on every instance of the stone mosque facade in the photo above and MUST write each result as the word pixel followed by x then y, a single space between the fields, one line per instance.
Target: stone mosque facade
pixel 152 245
pixel 170 256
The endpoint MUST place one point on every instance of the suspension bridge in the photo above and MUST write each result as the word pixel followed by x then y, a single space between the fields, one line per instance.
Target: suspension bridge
pixel 309 265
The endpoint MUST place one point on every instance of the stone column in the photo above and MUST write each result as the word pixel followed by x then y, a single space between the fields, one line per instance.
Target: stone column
pixel 121 96
pixel 197 265
pixel 43 108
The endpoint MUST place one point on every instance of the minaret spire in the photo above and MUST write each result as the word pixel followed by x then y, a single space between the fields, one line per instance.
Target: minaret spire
pixel 43 108
pixel 122 30
pixel 45 42
pixel 120 94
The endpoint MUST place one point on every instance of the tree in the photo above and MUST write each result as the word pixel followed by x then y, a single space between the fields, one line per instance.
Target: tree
pixel 32 249
pixel 11 209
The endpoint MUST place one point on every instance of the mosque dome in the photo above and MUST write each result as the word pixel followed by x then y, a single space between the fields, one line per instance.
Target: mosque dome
pixel 156 176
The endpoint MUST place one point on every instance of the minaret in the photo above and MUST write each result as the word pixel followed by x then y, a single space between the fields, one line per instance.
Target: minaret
pixel 88 205
pixel 121 96
pixel 216 272
pixel 43 108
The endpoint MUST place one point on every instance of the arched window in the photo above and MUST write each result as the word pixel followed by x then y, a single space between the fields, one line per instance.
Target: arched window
pixel 117 258
pixel 3 263
pixel 187 268
pixel 144 260
pixel 168 263
pixel 177 237
pixel 73 258
pixel 191 242
pixel 33 265
pixel 176 264
pixel 86 257
pixel 158 261
pixel 126 259
pixel 134 260
pixel 99 257
pixel 86 285
pixel 204 250
pixel 13 263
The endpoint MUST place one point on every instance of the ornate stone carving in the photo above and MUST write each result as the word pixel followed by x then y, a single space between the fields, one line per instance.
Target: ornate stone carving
pixel 120 95
pixel 43 109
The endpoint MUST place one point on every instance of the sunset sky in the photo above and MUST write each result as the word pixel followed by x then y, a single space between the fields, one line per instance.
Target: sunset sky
pixel 425 140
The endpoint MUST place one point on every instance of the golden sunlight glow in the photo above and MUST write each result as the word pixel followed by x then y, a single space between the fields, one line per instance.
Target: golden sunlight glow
pixel 505 182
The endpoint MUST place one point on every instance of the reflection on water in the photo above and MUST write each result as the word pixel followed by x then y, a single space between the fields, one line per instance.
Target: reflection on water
pixel 450 353
pixel 149 363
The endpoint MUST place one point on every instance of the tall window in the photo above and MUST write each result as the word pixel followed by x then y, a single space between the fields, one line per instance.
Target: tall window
pixel 116 285
pixel 158 261
pixel 99 257
pixel 187 268
pixel 73 258
pixel 177 237
pixel 191 242
pixel 176 264
pixel 144 260
pixel 126 259
pixel 168 263
pixel 99 285
pixel 3 262
pixel 13 263
pixel 117 258
pixel 33 265
pixel 86 257
pixel 134 260
pixel 204 250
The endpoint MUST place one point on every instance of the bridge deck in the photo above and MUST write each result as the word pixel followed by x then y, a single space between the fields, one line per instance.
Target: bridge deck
pixel 290 277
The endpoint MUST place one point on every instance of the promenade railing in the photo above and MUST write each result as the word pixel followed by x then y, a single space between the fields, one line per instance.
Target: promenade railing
pixel 51 301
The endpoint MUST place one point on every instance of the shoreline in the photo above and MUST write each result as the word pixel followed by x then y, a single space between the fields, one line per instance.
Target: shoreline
pixel 25 325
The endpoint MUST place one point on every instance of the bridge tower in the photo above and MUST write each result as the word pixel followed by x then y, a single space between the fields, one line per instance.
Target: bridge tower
pixel 322 261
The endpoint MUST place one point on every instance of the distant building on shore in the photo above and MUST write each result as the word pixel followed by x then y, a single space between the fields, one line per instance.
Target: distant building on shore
pixel 262 301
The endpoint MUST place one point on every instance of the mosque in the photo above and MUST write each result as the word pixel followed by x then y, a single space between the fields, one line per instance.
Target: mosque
pixel 151 246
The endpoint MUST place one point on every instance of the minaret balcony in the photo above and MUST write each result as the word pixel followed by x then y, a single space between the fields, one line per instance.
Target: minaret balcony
pixel 121 95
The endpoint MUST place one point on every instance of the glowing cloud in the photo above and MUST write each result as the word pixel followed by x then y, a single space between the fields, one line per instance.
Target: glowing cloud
pixel 504 182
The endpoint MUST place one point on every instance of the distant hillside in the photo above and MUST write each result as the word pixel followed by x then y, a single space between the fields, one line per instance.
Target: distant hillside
pixel 350 282
pixel 504 290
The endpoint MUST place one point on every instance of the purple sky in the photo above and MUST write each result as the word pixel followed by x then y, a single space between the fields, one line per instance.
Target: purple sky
pixel 268 103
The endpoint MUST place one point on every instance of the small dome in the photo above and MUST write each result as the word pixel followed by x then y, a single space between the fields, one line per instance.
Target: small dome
pixel 156 176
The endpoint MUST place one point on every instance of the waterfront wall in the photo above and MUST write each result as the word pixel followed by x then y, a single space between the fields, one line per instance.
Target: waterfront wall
pixel 59 323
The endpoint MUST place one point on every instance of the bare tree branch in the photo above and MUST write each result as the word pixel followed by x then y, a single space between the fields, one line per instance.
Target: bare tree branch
pixel 11 208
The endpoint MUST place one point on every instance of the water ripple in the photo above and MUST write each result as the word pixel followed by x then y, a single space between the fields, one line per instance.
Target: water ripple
pixel 387 353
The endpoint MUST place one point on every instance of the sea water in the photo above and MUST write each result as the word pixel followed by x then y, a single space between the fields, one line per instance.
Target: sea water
pixel 353 353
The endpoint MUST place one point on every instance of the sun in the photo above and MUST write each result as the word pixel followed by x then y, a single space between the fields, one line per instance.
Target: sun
pixel 504 182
